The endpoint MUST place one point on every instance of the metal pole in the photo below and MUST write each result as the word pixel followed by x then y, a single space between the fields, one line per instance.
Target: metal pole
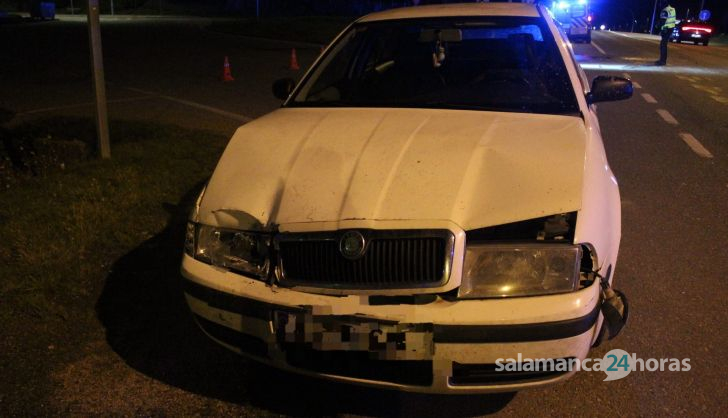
pixel 652 25
pixel 632 14
pixel 112 7
pixel 97 65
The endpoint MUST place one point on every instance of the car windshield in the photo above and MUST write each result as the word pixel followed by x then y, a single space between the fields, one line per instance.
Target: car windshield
pixel 495 63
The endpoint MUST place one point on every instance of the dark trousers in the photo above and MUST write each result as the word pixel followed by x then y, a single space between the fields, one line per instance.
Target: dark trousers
pixel 663 44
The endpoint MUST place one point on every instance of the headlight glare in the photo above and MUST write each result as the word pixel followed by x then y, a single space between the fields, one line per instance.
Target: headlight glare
pixel 504 270
pixel 243 251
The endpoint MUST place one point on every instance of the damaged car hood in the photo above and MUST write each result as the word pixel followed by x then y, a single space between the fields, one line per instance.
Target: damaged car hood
pixel 474 168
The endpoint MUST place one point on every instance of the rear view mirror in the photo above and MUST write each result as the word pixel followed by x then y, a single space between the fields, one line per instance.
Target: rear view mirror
pixel 443 35
pixel 609 89
pixel 282 88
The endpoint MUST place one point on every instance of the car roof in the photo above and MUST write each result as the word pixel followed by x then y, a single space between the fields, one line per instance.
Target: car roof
pixel 452 10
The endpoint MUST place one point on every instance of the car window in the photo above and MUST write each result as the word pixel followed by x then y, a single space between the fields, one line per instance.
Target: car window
pixel 497 63
pixel 583 80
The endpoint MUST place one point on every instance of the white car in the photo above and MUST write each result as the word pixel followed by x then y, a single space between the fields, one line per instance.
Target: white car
pixel 432 198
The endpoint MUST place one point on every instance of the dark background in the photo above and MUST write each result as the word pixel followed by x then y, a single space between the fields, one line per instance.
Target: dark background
pixel 616 14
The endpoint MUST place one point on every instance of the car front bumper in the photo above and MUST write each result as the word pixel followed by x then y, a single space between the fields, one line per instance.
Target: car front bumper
pixel 463 339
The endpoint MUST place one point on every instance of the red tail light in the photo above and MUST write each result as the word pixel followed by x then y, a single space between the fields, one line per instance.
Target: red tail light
pixel 688 28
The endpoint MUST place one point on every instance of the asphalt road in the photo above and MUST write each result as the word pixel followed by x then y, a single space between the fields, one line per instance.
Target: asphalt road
pixel 668 147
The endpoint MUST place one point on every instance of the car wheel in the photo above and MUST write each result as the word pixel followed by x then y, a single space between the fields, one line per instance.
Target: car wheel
pixel 705 43
pixel 678 40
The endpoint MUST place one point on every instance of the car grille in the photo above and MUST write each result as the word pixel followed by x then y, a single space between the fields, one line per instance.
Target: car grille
pixel 391 259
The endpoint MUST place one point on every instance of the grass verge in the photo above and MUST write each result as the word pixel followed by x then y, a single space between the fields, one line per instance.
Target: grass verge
pixel 62 230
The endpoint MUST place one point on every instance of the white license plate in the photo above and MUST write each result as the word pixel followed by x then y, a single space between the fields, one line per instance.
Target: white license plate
pixel 696 35
pixel 578 31
pixel 385 340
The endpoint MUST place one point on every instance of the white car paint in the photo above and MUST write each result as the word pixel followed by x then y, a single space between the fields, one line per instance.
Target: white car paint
pixel 325 165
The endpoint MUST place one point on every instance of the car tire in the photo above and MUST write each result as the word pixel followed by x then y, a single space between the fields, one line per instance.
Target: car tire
pixel 601 336
pixel 678 40
pixel 705 43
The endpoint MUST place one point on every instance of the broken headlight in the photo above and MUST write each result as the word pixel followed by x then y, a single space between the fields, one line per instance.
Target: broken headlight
pixel 242 251
pixel 504 270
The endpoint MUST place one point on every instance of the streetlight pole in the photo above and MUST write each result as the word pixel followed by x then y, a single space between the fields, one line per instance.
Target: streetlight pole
pixel 97 67
pixel 654 11
pixel 633 19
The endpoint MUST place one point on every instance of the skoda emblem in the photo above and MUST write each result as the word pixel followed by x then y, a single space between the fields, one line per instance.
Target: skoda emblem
pixel 351 245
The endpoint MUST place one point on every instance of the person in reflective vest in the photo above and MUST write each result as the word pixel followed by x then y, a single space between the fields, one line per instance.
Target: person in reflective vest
pixel 667 24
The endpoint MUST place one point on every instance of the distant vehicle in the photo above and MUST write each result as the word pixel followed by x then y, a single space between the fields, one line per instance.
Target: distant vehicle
pixel 692 31
pixel 574 17
pixel 43 10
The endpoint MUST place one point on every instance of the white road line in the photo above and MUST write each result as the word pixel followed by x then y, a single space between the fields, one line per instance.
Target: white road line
pixel 636 38
pixel 648 98
pixel 710 90
pixel 231 115
pixel 695 145
pixel 84 104
pixel 687 78
pixel 598 48
pixel 667 117
pixel 634 83
pixel 644 66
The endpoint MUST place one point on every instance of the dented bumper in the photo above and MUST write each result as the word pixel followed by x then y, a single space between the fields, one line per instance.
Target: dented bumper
pixel 437 346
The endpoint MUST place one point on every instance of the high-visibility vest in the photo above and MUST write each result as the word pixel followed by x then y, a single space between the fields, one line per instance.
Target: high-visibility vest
pixel 669 14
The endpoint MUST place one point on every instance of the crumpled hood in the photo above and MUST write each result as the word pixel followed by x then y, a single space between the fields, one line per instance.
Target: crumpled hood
pixel 473 168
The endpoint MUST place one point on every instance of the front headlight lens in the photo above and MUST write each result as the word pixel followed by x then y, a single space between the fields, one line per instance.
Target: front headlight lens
pixel 504 270
pixel 242 251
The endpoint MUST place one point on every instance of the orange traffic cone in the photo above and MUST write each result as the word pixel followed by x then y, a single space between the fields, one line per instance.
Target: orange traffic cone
pixel 226 76
pixel 294 60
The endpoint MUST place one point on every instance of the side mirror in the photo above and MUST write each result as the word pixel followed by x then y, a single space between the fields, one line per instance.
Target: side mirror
pixel 609 89
pixel 282 88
